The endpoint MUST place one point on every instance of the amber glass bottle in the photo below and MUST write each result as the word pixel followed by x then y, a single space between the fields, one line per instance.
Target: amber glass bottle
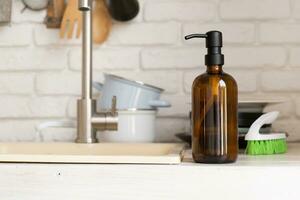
pixel 214 108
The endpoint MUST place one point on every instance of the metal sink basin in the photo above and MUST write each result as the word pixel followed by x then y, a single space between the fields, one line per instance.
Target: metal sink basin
pixel 151 153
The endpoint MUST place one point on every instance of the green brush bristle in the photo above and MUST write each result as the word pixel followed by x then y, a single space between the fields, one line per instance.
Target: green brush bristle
pixel 266 147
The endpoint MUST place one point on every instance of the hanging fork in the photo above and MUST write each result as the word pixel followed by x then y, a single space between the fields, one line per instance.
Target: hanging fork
pixel 72 16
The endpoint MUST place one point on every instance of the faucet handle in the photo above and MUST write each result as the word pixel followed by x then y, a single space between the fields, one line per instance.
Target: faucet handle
pixel 114 105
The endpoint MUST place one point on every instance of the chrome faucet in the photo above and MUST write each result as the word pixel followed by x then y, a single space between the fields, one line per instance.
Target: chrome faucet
pixel 88 119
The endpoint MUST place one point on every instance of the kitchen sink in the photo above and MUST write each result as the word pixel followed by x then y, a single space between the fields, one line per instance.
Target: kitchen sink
pixel 135 153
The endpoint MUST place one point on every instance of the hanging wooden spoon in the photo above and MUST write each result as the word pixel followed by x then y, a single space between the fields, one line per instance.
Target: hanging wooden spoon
pixel 101 22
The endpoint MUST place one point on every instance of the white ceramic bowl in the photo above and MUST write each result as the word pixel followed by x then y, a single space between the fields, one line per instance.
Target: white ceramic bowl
pixel 130 94
pixel 36 4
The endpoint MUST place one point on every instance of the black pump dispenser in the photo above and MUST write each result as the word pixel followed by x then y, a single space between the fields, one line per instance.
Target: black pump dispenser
pixel 214 43
pixel 214 107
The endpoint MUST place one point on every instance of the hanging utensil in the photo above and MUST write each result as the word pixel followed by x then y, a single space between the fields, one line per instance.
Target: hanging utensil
pixel 35 4
pixel 123 10
pixel 71 17
pixel 5 10
pixel 55 13
pixel 101 22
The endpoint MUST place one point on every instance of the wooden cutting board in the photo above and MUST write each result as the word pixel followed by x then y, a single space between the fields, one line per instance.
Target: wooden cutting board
pixel 118 153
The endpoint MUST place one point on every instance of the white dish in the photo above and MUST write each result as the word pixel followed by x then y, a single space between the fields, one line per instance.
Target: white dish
pixel 130 94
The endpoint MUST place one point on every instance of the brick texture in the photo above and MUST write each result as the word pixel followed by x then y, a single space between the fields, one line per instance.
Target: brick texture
pixel 181 105
pixel 16 83
pixel 297 9
pixel 18 130
pixel 15 35
pixel 58 135
pixel 180 10
pixel 298 106
pixel 40 76
pixel 21 59
pixel 24 107
pixel 281 81
pixel 254 9
pixel 255 57
pixel 294 57
pixel 236 33
pixel 280 33
pixel 145 33
pixel 58 83
pixel 112 58
pixel 166 126
pixel 177 58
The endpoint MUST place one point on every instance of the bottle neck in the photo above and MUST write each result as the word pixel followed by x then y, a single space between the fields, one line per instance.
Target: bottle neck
pixel 214 69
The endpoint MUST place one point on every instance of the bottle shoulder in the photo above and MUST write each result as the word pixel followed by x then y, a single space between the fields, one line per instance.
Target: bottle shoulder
pixel 229 78
pixel 207 78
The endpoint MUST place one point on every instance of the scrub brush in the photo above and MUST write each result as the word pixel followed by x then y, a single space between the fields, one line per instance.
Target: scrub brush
pixel 265 144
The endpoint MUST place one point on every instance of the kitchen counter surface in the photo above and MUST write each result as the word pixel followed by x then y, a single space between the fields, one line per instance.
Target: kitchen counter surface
pixel 291 158
pixel 251 177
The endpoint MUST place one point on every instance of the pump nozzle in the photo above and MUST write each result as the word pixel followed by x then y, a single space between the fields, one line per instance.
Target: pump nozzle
pixel 195 36
pixel 214 43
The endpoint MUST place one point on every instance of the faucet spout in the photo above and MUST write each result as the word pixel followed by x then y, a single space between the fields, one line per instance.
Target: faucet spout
pixel 87 49
pixel 88 120
pixel 85 5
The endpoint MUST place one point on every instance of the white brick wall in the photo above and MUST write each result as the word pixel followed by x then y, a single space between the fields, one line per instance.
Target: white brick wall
pixel 180 10
pixel 26 107
pixel 145 33
pixel 61 83
pixel 109 58
pixel 296 9
pixel 255 57
pixel 40 73
pixel 33 59
pixel 280 33
pixel 16 83
pixel 286 81
pixel 294 57
pixel 172 58
pixel 236 32
pixel 18 130
pixel 18 35
pixel 254 9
